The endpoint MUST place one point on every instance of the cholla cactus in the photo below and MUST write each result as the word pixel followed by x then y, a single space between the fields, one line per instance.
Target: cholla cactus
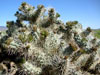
pixel 46 46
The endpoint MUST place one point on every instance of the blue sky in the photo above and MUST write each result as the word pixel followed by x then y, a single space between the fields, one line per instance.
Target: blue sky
pixel 87 12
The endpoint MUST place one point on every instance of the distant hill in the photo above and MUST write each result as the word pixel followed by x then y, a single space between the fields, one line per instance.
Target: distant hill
pixel 2 28
pixel 97 32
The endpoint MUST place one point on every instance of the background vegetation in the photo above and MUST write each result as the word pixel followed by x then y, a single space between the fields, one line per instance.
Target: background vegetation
pixel 97 33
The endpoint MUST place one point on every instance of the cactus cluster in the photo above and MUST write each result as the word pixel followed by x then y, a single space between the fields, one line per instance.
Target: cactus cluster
pixel 47 46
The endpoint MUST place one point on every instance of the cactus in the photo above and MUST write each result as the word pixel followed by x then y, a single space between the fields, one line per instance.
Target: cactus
pixel 46 46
